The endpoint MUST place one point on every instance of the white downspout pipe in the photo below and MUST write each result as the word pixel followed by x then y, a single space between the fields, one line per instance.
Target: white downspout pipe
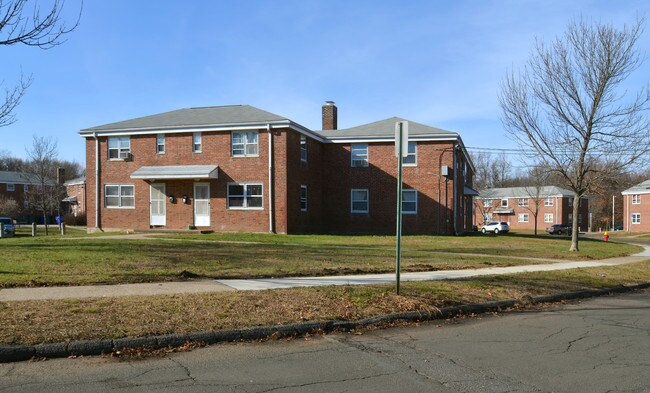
pixel 455 190
pixel 96 180
pixel 271 185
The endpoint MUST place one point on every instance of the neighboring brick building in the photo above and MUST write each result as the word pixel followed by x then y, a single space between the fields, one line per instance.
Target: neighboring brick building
pixel 515 205
pixel 636 208
pixel 75 199
pixel 16 186
pixel 217 168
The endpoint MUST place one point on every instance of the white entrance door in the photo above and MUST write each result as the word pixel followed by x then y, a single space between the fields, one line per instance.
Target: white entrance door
pixel 157 201
pixel 202 204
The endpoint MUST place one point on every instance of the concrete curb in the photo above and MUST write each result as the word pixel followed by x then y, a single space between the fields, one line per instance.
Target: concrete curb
pixel 17 353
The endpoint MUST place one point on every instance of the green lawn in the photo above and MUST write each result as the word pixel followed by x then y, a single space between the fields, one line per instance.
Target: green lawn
pixel 58 260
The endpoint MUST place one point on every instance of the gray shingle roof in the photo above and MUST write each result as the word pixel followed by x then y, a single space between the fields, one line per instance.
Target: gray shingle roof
pixel 385 128
pixel 641 188
pixel 523 192
pixel 13 177
pixel 194 117
pixel 176 172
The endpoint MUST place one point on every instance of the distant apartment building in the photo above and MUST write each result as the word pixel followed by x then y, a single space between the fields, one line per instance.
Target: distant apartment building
pixel 636 208
pixel 75 200
pixel 516 206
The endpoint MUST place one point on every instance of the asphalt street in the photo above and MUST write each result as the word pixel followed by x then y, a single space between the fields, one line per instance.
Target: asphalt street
pixel 599 345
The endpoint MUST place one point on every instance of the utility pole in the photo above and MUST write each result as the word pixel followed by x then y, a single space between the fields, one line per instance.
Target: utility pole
pixel 613 208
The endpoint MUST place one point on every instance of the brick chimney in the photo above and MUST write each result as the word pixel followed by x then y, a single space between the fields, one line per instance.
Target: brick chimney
pixel 60 176
pixel 330 116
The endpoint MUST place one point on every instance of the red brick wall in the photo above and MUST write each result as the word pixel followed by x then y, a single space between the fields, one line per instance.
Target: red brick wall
pixel 643 208
pixel 380 178
pixel 17 195
pixel 178 151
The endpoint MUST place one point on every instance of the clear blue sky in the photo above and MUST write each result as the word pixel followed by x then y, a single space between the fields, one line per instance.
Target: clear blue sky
pixel 434 62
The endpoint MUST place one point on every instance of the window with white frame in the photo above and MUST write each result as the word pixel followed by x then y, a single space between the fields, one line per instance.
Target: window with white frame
pixel 570 218
pixel 570 201
pixel 245 144
pixel 412 158
pixel 11 187
pixel 160 143
pixel 118 196
pixel 636 199
pixel 548 217
pixel 636 218
pixel 359 201
pixel 487 202
pixel 245 196
pixel 548 201
pixel 197 142
pixel 504 202
pixel 119 147
pixel 409 202
pixel 26 188
pixel 303 198
pixel 522 202
pixel 359 154
pixel 303 148
pixel 487 217
pixel 522 217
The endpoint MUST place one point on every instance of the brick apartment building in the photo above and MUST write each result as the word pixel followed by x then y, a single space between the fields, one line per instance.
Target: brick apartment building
pixel 75 199
pixel 239 168
pixel 636 208
pixel 515 205
pixel 14 185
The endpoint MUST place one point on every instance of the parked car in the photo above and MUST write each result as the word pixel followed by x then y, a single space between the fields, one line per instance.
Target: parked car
pixel 9 227
pixel 618 228
pixel 558 229
pixel 496 227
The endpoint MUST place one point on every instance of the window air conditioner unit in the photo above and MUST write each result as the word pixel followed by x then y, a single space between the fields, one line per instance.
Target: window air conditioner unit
pixel 126 156
pixel 444 170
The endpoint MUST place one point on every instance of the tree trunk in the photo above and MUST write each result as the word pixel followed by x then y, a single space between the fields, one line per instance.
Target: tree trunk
pixel 574 224
pixel 535 218
pixel 45 221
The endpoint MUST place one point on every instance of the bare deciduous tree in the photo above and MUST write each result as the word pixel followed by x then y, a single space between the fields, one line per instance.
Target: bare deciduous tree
pixel 8 206
pixel 537 184
pixel 40 169
pixel 566 106
pixel 23 23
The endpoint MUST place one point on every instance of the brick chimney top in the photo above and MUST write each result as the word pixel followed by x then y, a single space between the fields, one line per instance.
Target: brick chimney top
pixel 330 116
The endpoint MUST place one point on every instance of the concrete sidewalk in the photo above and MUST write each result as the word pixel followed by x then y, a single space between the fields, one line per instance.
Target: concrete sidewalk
pixel 204 286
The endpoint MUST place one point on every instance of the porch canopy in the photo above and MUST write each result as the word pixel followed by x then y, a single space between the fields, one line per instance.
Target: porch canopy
pixel 504 210
pixel 470 191
pixel 176 172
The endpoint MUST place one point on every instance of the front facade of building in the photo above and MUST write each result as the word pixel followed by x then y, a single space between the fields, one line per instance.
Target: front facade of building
pixel 636 208
pixel 242 169
pixel 516 206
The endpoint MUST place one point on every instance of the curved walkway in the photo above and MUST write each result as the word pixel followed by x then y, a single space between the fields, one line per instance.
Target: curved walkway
pixel 204 286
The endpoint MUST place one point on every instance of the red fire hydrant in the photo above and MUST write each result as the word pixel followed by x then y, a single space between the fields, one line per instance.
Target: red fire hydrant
pixel 606 236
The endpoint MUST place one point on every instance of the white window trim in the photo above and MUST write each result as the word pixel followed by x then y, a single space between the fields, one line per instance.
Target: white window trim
pixel 352 201
pixel 303 148
pixel 25 188
pixel 11 187
pixel 245 144
pixel 523 217
pixel 504 200
pixel 123 153
pixel 158 136
pixel 548 201
pixel 522 202
pixel 305 199
pixel 416 202
pixel 548 217
pixel 636 218
pixel 487 202
pixel 415 155
pixel 364 161
pixel 119 196
pixel 636 199
pixel 200 137
pixel 245 185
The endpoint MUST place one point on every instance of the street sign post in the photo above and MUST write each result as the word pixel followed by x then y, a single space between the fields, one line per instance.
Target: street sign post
pixel 401 151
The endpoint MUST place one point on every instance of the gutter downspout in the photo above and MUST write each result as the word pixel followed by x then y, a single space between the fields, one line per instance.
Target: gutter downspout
pixel 271 183
pixel 96 180
pixel 454 196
